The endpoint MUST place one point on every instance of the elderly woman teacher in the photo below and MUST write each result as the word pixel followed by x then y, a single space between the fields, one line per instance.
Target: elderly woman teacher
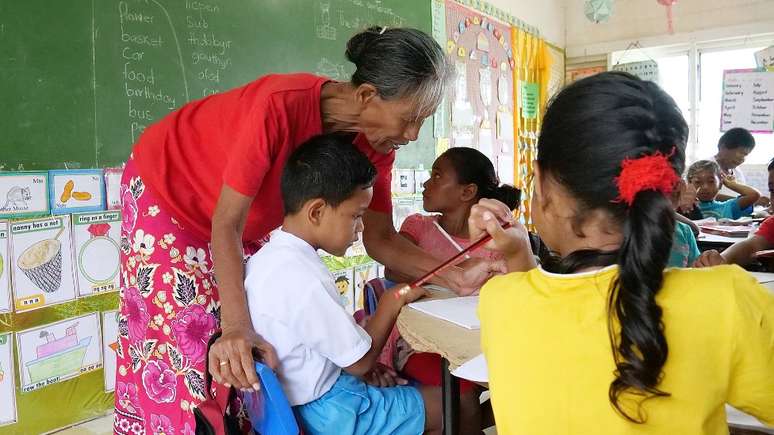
pixel 201 191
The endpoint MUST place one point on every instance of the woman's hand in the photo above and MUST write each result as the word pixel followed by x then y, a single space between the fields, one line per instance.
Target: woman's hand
pixel 232 357
pixel 471 274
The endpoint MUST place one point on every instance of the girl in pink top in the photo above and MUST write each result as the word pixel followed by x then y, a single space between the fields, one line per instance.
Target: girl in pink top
pixel 459 179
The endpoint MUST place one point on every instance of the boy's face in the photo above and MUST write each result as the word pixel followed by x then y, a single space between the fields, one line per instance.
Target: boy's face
pixel 707 185
pixel 339 226
pixel 733 157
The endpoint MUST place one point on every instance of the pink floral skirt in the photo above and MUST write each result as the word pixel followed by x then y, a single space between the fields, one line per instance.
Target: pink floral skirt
pixel 169 310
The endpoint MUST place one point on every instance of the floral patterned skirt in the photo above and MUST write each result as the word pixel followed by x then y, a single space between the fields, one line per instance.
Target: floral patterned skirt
pixel 169 310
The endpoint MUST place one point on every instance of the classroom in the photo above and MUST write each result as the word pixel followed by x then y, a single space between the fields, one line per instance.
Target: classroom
pixel 387 217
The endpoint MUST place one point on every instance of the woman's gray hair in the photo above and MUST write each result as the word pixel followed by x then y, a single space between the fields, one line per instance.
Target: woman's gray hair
pixel 401 62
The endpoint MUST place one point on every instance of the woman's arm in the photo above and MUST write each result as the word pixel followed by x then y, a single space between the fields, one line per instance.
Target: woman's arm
pixel 394 275
pixel 395 252
pixel 235 346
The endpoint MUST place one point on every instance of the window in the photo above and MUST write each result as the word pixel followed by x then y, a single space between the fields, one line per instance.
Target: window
pixel 711 66
pixel 681 82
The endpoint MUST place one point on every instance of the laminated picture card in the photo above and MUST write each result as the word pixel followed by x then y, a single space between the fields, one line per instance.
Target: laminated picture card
pixel 23 194
pixel 5 272
pixel 42 272
pixel 96 237
pixel 76 190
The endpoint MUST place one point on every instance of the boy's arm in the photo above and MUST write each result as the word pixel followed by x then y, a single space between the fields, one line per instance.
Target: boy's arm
pixel 742 252
pixel 380 325
pixel 748 194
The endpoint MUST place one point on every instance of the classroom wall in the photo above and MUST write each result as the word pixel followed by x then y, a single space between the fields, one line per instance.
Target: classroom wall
pixel 646 20
pixel 546 15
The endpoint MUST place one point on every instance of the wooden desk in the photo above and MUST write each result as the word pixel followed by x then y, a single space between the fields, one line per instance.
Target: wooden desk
pixel 455 344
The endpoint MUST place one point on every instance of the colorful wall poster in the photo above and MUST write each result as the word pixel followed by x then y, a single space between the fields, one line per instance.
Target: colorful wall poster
pixel 363 274
pixel 113 188
pixel 23 194
pixel 345 284
pixel 5 272
pixel 76 190
pixel 96 237
pixel 42 272
pixel 58 351
pixel 7 379
pixel 109 346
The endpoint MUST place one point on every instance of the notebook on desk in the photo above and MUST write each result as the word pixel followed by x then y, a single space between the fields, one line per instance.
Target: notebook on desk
pixel 461 311
pixel 727 230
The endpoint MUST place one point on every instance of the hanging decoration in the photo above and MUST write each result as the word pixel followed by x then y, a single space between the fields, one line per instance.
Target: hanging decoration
pixel 668 4
pixel 598 11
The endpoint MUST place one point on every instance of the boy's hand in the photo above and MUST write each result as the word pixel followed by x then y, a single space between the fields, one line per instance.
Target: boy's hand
pixel 709 258
pixel 406 294
pixel 383 376
pixel 728 179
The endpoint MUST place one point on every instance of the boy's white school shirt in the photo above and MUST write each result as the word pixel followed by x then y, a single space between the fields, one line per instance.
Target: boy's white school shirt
pixel 294 305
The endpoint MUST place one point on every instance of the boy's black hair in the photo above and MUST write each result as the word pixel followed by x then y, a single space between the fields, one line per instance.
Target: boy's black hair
pixel 341 278
pixel 701 166
pixel 771 164
pixel 329 167
pixel 737 137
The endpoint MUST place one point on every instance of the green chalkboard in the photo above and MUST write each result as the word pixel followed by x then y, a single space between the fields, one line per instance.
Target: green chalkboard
pixel 82 79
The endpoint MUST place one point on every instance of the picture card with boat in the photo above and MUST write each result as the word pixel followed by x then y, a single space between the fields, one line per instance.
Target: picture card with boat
pixel 109 348
pixel 23 194
pixel 5 272
pixel 58 351
pixel 42 272
pixel 76 190
pixel 96 237
pixel 7 381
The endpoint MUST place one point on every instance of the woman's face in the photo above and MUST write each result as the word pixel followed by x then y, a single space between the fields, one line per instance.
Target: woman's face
pixel 390 124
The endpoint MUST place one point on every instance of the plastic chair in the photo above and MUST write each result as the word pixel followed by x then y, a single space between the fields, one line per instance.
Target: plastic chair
pixel 269 409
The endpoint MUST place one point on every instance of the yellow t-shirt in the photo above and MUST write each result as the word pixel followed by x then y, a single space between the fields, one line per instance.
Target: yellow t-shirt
pixel 550 360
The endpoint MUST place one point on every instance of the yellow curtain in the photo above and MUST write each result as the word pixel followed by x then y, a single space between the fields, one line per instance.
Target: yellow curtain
pixel 532 65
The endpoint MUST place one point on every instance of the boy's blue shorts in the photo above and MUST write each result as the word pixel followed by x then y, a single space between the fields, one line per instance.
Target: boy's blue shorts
pixel 354 407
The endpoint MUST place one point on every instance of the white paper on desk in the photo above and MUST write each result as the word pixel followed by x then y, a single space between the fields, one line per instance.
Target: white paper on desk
pixel 739 418
pixel 474 370
pixel 460 310
pixel 763 277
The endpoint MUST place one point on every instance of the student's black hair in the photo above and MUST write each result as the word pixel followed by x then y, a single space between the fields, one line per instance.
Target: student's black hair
pixel 342 278
pixel 401 62
pixel 329 167
pixel 701 166
pixel 737 137
pixel 473 167
pixel 771 165
pixel 589 129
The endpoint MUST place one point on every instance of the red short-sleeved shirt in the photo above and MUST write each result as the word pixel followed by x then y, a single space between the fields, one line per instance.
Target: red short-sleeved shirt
pixel 766 230
pixel 242 138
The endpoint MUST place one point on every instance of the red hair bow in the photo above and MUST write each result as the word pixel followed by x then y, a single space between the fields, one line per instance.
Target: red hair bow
pixel 652 172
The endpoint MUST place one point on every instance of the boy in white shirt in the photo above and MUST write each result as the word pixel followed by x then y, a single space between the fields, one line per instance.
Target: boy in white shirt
pixel 294 302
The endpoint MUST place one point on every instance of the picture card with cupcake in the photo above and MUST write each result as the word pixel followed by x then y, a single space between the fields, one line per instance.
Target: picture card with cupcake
pixel 96 237
pixel 76 190
pixel 42 272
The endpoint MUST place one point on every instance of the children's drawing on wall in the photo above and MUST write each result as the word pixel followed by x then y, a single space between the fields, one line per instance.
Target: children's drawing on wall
pixel 109 347
pixel 43 269
pixel 363 274
pixel 5 283
pixel 345 285
pixel 7 379
pixel 77 190
pixel 23 194
pixel 96 237
pixel 59 351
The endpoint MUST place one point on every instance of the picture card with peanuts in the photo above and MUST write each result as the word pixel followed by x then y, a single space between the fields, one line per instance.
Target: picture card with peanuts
pixel 42 271
pixel 76 190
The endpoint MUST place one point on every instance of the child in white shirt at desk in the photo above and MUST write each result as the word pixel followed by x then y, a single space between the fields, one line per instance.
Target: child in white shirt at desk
pixel 294 303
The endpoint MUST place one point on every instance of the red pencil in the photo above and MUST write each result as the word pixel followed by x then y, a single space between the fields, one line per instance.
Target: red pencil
pixel 473 246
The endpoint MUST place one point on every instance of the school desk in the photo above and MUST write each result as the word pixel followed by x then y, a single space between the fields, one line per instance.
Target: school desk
pixel 455 344
pixel 714 241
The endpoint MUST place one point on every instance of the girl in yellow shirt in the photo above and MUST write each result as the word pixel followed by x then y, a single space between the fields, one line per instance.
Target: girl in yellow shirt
pixel 603 339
